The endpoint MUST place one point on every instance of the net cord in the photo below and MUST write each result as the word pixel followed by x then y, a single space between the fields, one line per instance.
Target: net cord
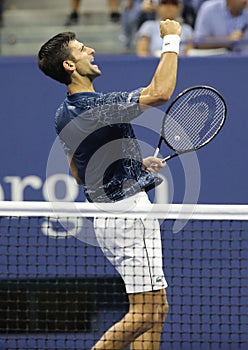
pixel 159 211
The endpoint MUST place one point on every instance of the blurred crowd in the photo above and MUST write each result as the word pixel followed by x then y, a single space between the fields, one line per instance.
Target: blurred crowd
pixel 206 24
pixel 138 18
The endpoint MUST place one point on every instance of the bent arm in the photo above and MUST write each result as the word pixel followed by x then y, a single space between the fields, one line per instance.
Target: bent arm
pixel 163 82
pixel 215 42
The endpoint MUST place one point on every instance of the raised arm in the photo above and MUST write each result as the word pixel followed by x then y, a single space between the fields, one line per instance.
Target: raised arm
pixel 163 82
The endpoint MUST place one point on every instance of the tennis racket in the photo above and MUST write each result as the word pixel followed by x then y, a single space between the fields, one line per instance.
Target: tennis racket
pixel 192 120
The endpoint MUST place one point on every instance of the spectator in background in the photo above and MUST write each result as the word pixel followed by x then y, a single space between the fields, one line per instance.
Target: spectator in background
pixel 74 15
pixel 190 9
pixel 222 24
pixel 1 12
pixel 134 13
pixel 129 22
pixel 148 39
pixel 148 11
pixel 189 12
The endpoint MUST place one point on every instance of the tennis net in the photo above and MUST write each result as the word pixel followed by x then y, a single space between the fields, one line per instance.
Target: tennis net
pixel 58 290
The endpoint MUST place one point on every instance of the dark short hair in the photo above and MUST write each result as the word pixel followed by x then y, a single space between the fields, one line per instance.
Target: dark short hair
pixel 52 55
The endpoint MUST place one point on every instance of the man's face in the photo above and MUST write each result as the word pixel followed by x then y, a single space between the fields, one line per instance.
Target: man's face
pixel 83 59
pixel 237 6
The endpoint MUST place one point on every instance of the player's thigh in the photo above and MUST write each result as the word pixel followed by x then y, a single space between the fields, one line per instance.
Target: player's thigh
pixel 148 301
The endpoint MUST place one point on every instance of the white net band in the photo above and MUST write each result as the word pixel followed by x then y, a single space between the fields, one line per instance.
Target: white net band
pixel 159 211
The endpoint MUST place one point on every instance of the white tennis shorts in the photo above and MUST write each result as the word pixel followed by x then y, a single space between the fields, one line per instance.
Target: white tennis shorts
pixel 133 246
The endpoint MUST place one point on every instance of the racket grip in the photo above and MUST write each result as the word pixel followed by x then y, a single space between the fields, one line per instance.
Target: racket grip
pixel 156 152
pixel 167 158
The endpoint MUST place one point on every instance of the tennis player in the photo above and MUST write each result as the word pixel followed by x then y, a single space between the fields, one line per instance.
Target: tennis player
pixel 105 159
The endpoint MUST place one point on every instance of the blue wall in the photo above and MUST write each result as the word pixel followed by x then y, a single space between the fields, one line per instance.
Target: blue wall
pixel 29 101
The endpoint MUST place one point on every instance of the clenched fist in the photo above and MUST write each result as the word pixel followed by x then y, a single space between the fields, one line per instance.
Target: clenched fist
pixel 169 27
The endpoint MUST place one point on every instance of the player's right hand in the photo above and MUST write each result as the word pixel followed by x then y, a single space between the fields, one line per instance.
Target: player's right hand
pixel 153 164
pixel 169 27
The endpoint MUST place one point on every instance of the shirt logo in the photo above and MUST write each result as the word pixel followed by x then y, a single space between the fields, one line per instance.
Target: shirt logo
pixel 159 279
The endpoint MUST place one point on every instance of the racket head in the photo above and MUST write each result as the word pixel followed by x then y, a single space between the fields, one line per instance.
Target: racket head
pixel 193 119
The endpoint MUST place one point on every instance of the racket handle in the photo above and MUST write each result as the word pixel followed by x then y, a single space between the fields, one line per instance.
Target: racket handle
pixel 169 157
pixel 156 152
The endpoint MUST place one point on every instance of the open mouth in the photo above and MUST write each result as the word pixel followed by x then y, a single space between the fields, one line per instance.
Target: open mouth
pixel 93 63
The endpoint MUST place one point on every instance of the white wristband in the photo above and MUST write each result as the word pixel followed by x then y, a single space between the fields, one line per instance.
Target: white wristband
pixel 171 43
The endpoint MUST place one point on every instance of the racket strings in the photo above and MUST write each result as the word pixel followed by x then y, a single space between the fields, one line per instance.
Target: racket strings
pixel 193 119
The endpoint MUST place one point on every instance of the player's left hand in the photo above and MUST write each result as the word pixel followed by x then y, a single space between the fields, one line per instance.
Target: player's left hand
pixel 153 164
